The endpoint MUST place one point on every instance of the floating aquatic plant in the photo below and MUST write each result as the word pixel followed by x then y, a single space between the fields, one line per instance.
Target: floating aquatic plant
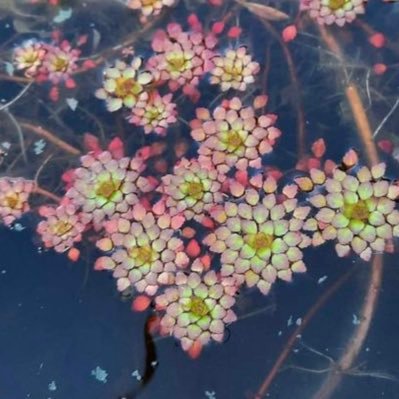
pixel 234 135
pixel 188 216
pixel 234 70
pixel 181 58
pixel 124 85
pixel 355 208
pixel 259 238
pixel 334 11
pixel 145 252
pixel 197 309
pixel 14 196
pixel 104 187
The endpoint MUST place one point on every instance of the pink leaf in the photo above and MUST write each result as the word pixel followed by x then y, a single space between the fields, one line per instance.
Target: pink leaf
pixel 116 148
pixel 91 142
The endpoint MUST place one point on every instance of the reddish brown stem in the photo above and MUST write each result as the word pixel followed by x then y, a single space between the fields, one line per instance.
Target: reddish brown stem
pixel 301 134
pixel 298 331
pixel 358 337
pixel 48 194
pixel 52 138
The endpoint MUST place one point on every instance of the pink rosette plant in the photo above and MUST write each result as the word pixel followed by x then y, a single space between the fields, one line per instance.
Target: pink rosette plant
pixel 14 196
pixel 62 227
pixel 197 308
pixel 233 135
pixel 181 58
pixel 143 252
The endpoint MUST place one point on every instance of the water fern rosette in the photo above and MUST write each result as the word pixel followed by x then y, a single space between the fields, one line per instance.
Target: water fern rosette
pixel 124 85
pixel 104 186
pixel 144 252
pixel 181 58
pixel 61 228
pixel 259 237
pixel 197 309
pixel 357 210
pixel 234 70
pixel 192 189
pixel 234 135
pixel 29 57
pixel 14 195
pixel 334 11
pixel 149 7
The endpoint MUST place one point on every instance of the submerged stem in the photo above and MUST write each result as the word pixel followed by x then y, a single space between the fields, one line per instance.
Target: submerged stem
pixel 298 331
pixel 52 138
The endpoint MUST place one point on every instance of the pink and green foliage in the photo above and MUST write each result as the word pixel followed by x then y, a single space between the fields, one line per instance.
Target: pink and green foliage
pixel 259 237
pixel 234 70
pixel 149 8
pixel 145 253
pixel 14 198
pixel 333 11
pixel 62 226
pixel 356 208
pixel 182 58
pixel 187 230
pixel 234 135
pixel 197 308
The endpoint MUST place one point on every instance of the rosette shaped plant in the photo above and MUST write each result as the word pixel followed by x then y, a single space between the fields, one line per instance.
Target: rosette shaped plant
pixel 29 57
pixel 197 309
pixel 62 227
pixel 234 135
pixel 149 7
pixel 333 11
pixel 155 115
pixel 59 62
pixel 356 209
pixel 193 189
pixel 234 70
pixel 14 195
pixel 181 58
pixel 144 252
pixel 259 237
pixel 125 85
pixel 104 186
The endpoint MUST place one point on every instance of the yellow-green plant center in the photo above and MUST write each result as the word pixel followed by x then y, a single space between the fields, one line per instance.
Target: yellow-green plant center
pixel 11 201
pixel 153 114
pixel 126 86
pixel 107 188
pixel 142 254
pixel 194 189
pixel 233 140
pixel 62 227
pixel 61 64
pixel 358 211
pixel 198 307
pixel 177 61
pixel 148 2
pixel 31 58
pixel 259 241
pixel 336 4
pixel 234 70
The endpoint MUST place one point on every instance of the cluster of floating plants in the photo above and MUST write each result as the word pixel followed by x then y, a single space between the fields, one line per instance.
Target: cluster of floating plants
pixel 187 234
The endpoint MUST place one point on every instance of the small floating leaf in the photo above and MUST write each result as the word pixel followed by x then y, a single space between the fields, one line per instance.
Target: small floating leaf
pixel 350 159
pixel 72 103
pixel 9 68
pixel 304 183
pixel 62 15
